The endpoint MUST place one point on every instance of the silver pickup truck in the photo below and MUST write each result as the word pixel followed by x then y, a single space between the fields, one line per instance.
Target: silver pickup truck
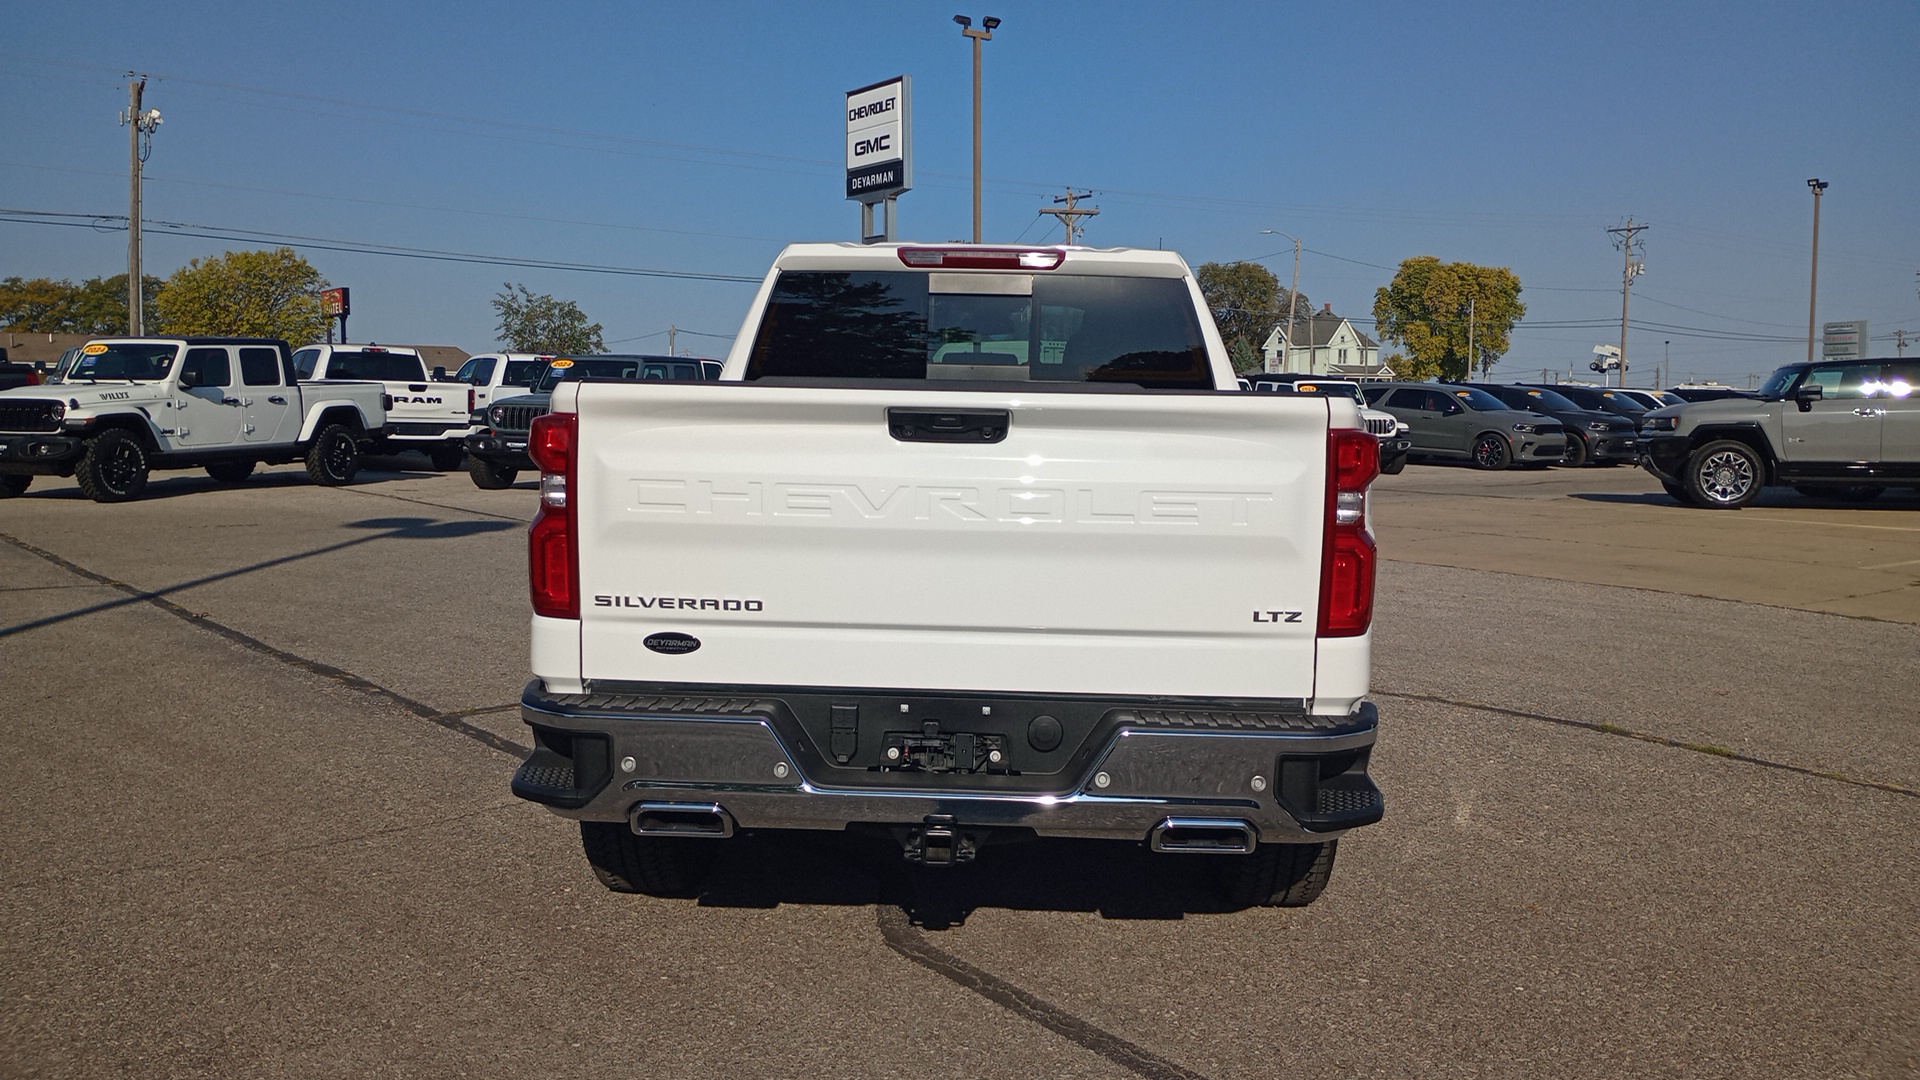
pixel 969 545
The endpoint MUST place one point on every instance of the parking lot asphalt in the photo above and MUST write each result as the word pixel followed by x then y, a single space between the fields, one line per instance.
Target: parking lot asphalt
pixel 1651 780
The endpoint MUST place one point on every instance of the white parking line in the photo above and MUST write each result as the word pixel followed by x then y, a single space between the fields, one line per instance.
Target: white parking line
pixel 1890 565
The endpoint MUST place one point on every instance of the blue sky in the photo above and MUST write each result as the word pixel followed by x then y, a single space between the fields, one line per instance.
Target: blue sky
pixel 701 138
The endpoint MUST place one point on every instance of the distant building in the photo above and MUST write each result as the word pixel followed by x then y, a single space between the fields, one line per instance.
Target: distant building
pixel 1329 346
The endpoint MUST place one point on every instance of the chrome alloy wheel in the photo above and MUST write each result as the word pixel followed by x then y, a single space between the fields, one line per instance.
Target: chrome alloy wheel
pixel 1727 476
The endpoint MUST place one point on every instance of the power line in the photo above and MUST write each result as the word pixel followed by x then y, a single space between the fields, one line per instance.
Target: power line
pixel 99 222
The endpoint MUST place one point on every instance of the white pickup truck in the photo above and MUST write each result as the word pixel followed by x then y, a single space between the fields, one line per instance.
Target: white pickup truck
pixel 127 406
pixel 431 415
pixel 970 544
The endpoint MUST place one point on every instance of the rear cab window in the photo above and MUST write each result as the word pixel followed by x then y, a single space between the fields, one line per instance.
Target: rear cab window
pixel 376 366
pixel 910 326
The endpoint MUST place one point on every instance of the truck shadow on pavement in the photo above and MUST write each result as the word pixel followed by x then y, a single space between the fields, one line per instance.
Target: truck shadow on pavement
pixel 1770 499
pixel 377 529
pixel 174 486
pixel 1117 879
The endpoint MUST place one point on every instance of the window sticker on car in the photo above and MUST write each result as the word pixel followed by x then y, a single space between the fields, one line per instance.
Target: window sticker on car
pixel 94 350
pixel 562 364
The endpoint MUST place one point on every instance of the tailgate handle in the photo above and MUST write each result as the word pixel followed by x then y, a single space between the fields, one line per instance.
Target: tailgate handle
pixel 948 425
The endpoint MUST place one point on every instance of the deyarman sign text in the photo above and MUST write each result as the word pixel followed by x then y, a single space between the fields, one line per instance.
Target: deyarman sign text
pixel 880 140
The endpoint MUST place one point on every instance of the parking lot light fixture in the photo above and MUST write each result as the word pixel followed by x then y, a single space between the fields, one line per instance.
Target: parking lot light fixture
pixel 985 33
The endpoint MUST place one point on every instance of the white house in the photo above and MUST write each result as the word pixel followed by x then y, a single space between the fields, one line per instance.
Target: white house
pixel 1329 346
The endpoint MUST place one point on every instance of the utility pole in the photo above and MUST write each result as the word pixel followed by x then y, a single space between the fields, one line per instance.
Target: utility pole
pixel 1070 217
pixel 1293 303
pixel 1666 360
pixel 1473 358
pixel 985 33
pixel 1813 289
pixel 1900 343
pixel 1634 268
pixel 673 333
pixel 140 127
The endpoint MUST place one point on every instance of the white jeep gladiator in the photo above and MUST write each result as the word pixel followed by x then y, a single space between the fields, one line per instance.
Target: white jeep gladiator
pixel 430 414
pixel 127 406
pixel 970 544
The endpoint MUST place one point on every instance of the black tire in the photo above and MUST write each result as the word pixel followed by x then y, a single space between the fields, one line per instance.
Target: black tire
pixel 1491 452
pixel 447 457
pixel 1678 492
pixel 1393 466
pixel 114 468
pixel 1276 875
pixel 669 866
pixel 490 475
pixel 1725 475
pixel 333 458
pixel 230 472
pixel 1577 453
pixel 14 484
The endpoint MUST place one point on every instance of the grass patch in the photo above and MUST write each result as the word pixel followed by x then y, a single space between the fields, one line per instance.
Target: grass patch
pixel 1709 748
pixel 1614 729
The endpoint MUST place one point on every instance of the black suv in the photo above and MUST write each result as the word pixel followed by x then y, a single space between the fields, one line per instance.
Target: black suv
pixel 1594 436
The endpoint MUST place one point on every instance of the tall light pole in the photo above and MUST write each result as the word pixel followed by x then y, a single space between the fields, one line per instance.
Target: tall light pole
pixel 1634 268
pixel 1293 300
pixel 985 33
pixel 1813 289
pixel 140 127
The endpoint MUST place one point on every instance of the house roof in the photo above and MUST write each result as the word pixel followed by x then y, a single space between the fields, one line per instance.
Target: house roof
pixel 1321 328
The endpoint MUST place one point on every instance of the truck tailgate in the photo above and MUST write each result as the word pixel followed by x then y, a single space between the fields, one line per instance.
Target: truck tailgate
pixel 1110 543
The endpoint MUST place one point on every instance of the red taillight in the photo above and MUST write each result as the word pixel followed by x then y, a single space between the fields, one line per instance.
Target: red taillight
pixel 33 378
pixel 553 542
pixel 972 258
pixel 471 401
pixel 1347 555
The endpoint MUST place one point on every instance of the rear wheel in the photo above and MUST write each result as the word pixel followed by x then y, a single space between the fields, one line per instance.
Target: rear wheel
pixel 230 472
pixel 446 457
pixel 1725 475
pixel 1678 492
pixel 334 457
pixel 1277 875
pixel 490 475
pixel 1577 453
pixel 114 468
pixel 1491 452
pixel 12 484
pixel 670 866
pixel 1391 466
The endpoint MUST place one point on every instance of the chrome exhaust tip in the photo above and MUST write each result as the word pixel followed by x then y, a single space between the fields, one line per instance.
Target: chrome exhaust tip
pixel 708 820
pixel 1204 836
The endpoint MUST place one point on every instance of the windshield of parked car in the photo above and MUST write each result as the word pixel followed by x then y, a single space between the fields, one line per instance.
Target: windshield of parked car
pixel 1069 328
pixel 613 369
pixel 1328 389
pixel 131 361
pixel 1479 400
pixel 1541 400
pixel 523 372
pixel 1781 381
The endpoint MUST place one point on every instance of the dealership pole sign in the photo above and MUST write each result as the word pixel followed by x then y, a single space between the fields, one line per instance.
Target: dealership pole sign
pixel 879 148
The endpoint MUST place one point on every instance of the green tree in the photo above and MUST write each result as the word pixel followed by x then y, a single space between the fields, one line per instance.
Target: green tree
pixel 247 293
pixel 1433 308
pixel 1247 302
pixel 542 324
pixel 46 306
